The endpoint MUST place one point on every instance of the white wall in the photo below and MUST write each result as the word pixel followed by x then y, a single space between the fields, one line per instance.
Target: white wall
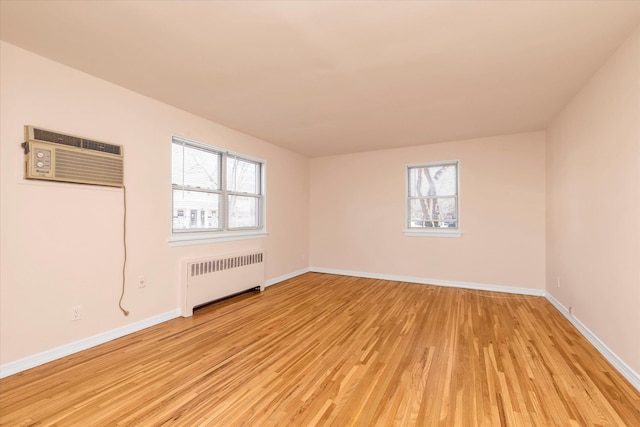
pixel 593 204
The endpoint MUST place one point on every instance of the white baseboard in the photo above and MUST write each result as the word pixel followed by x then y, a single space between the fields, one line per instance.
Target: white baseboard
pixel 285 277
pixel 74 347
pixel 624 369
pixel 436 282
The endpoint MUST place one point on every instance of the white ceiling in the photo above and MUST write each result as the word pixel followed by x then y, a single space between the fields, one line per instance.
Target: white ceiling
pixel 331 77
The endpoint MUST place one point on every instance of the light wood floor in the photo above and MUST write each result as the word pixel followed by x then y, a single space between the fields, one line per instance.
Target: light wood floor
pixel 331 350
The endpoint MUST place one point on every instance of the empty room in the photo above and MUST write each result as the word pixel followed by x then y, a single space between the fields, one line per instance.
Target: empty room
pixel 320 213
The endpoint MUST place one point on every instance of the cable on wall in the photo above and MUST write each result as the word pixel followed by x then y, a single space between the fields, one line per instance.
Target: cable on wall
pixel 124 243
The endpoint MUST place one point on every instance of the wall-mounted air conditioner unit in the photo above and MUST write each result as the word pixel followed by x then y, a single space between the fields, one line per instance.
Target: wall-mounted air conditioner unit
pixel 55 156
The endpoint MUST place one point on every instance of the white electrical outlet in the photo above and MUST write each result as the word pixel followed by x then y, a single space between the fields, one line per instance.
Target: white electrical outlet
pixel 571 311
pixel 76 312
pixel 142 282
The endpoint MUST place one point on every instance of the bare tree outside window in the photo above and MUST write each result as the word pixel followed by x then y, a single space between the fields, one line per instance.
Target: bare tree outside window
pixel 243 187
pixel 432 196
pixel 195 178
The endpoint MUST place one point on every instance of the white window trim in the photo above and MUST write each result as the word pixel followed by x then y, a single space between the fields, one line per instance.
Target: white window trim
pixel 432 233
pixel 444 232
pixel 186 238
pixel 203 238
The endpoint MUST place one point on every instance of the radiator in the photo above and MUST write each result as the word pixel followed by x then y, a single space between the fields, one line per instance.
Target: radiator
pixel 208 279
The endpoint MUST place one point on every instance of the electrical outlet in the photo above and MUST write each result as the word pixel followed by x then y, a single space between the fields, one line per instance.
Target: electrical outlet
pixel 571 311
pixel 142 282
pixel 76 312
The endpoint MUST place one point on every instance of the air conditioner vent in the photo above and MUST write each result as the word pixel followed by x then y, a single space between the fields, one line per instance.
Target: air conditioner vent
pixel 100 146
pixel 81 167
pixel 73 141
pixel 57 138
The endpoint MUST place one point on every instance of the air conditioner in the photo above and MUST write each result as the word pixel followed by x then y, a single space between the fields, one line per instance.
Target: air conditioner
pixel 55 156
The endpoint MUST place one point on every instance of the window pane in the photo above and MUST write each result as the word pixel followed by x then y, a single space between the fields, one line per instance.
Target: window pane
pixel 195 210
pixel 438 180
pixel 244 211
pixel 194 167
pixel 243 176
pixel 433 213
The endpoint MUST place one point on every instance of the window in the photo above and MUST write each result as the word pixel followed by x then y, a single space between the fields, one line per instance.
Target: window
pixel 215 194
pixel 432 199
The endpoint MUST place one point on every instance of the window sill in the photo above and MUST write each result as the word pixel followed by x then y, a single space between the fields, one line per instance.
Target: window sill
pixel 189 239
pixel 433 233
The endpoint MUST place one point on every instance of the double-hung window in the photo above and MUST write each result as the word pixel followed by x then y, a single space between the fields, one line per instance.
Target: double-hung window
pixel 215 193
pixel 432 199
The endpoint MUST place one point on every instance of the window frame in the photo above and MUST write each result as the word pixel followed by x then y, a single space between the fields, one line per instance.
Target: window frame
pixel 431 232
pixel 223 233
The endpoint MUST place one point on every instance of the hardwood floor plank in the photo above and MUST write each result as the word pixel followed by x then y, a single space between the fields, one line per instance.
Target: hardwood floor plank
pixel 322 350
